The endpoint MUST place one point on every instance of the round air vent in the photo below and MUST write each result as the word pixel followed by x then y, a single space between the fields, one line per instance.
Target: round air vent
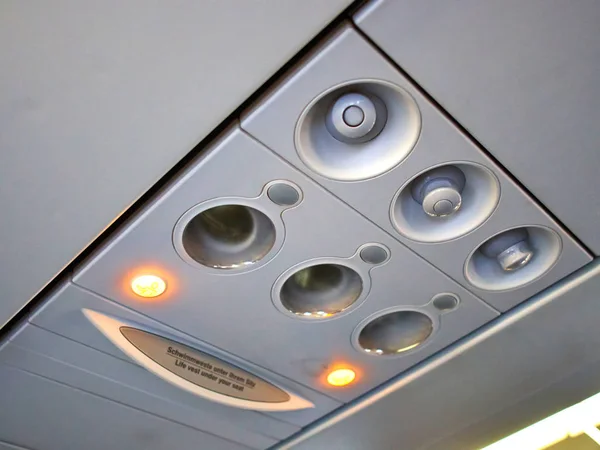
pixel 513 258
pixel 358 130
pixel 394 332
pixel 321 290
pixel 225 237
pixel 445 202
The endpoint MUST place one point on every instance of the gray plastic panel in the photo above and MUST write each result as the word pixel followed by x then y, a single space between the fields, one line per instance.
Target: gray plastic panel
pixel 236 313
pixel 51 356
pixel 70 418
pixel 157 77
pixel 540 358
pixel 521 77
pixel 7 446
pixel 348 57
pixel 62 315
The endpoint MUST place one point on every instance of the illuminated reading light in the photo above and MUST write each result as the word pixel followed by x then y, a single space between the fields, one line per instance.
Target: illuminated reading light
pixel 148 286
pixel 341 377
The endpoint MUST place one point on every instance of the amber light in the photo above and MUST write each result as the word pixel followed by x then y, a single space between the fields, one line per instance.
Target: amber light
pixel 341 377
pixel 148 286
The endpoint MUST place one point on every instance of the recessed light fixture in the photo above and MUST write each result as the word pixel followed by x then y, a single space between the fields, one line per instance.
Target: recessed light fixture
pixel 341 377
pixel 148 286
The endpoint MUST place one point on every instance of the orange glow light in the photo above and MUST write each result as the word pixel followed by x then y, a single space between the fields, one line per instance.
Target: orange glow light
pixel 341 377
pixel 148 286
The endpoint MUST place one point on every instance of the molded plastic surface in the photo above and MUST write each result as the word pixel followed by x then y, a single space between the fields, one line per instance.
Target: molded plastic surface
pixel 521 76
pixel 62 314
pixel 147 346
pixel 50 415
pixel 533 362
pixel 54 357
pixel 100 100
pixel 7 446
pixel 393 131
pixel 347 58
pixel 235 312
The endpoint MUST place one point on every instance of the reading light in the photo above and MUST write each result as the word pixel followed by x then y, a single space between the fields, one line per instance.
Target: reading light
pixel 341 377
pixel 148 286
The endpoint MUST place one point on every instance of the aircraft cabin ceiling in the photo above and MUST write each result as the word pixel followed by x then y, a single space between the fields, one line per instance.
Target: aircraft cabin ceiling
pixel 298 224
pixel 99 100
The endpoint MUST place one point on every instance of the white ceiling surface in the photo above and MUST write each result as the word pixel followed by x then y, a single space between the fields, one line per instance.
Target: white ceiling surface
pixel 522 77
pixel 99 99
